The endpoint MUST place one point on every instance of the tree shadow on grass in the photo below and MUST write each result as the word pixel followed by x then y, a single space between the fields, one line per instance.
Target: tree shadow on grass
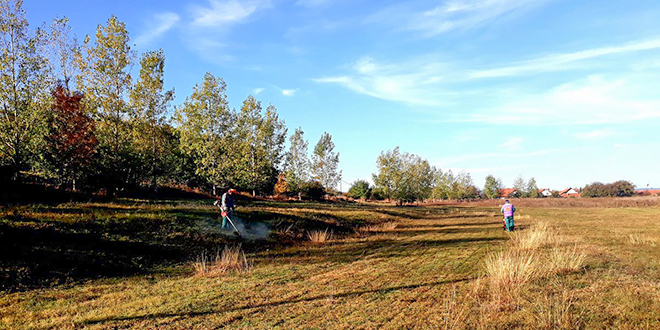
pixel 277 303
pixel 40 255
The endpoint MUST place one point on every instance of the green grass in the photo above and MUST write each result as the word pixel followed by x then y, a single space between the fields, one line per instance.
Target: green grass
pixel 427 272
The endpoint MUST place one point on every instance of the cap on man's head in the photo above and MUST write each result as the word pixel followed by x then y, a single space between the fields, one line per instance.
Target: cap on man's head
pixel 231 191
pixel 506 201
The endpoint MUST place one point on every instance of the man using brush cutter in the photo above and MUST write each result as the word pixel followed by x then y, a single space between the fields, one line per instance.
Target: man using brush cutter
pixel 508 210
pixel 226 208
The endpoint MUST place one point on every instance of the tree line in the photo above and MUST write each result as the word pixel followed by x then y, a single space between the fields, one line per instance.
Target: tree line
pixel 71 114
pixel 405 177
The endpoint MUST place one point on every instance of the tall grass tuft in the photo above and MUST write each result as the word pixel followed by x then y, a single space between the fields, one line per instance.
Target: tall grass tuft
pixel 320 236
pixel 525 258
pixel 537 236
pixel 232 258
pixel 509 269
pixel 564 261
pixel 640 239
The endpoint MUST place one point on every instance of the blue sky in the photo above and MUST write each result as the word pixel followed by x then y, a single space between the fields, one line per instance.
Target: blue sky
pixel 563 91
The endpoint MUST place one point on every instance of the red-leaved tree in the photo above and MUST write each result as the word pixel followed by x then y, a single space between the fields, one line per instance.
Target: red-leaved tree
pixel 72 142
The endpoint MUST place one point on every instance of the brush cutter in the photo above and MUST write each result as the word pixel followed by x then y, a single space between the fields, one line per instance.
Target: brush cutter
pixel 236 232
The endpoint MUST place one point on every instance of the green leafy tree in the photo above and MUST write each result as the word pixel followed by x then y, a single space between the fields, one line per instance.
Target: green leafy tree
pixel 492 187
pixel 204 123
pixel 360 189
pixel 389 172
pixel 520 186
pixel 325 162
pixel 106 80
pixel 404 177
pixel 532 190
pixel 260 146
pixel 23 87
pixel 297 165
pixel 149 102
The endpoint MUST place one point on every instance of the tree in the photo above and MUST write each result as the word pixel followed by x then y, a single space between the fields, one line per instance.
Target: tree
pixel 622 188
pixel 71 142
pixel 532 190
pixel 492 187
pixel 325 162
pixel 149 102
pixel 619 188
pixel 360 189
pixel 463 187
pixel 389 172
pixel 204 124
pixel 403 176
pixel 520 186
pixel 64 53
pixel 297 166
pixel 23 87
pixel 105 81
pixel 260 146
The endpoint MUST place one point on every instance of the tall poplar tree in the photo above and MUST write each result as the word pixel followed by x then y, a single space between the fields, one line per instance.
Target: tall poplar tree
pixel 297 162
pixel 149 102
pixel 261 138
pixel 106 80
pixel 23 87
pixel 325 162
pixel 204 123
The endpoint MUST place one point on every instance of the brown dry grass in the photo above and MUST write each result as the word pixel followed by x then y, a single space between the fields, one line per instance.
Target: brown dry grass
pixel 320 236
pixel 231 259
pixel 376 228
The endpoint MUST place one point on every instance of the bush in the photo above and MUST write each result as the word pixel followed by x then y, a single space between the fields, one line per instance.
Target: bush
pixel 619 188
pixel 360 189
pixel 313 190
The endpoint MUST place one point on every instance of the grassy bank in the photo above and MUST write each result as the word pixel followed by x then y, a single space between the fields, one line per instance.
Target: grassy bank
pixel 385 267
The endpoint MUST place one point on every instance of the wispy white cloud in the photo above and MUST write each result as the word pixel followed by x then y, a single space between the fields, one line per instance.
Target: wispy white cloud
pixel 595 134
pixel 557 62
pixel 514 143
pixel 161 23
pixel 431 20
pixel 413 82
pixel 289 92
pixel 257 91
pixel 209 26
pixel 221 13
pixel 594 100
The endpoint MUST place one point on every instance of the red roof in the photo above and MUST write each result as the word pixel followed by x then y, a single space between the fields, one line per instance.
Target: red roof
pixel 651 192
pixel 506 192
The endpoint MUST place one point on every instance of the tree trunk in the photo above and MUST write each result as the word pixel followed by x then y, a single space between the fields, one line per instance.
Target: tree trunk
pixel 214 194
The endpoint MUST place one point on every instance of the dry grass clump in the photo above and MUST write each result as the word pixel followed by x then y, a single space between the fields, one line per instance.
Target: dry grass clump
pixel 320 236
pixel 510 268
pixel 377 228
pixel 640 239
pixel 534 238
pixel 564 261
pixel 524 259
pixel 232 258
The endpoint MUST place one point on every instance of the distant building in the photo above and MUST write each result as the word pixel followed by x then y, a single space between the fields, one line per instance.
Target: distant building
pixel 569 192
pixel 647 191
pixel 545 192
pixel 508 192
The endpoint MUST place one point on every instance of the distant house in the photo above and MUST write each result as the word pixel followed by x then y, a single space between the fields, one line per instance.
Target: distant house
pixel 647 191
pixel 545 192
pixel 569 192
pixel 508 192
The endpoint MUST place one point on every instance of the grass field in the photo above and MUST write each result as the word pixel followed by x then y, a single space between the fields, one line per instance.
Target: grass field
pixel 130 264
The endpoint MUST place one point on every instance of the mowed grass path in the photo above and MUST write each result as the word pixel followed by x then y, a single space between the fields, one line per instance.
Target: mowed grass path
pixel 425 273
